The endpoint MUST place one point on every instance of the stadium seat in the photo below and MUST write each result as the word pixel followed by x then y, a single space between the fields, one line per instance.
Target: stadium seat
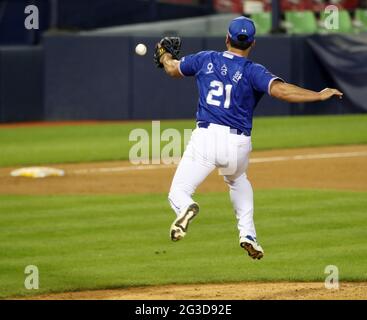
pixel 345 23
pixel 262 22
pixel 361 19
pixel 300 22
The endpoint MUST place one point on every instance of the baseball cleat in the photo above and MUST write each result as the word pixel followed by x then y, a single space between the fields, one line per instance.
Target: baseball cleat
pixel 179 226
pixel 253 249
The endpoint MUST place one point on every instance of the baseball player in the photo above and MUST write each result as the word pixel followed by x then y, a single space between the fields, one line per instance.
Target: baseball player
pixel 230 86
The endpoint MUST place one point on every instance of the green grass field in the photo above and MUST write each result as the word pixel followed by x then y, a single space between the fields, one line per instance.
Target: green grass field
pixel 81 242
pixel 90 242
pixel 85 143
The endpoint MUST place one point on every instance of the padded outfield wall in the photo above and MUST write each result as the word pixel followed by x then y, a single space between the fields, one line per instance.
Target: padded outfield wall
pixel 76 77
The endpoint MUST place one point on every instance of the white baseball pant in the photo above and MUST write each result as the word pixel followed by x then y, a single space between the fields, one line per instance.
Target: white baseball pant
pixel 210 148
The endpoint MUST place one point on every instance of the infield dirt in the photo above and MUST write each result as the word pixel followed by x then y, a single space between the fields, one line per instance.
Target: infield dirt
pixel 342 168
pixel 225 291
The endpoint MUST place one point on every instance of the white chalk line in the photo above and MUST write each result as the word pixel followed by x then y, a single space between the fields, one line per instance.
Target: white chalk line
pixel 121 169
pixel 254 160
pixel 311 156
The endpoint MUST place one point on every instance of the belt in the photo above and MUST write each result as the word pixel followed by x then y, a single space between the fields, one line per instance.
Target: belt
pixel 205 124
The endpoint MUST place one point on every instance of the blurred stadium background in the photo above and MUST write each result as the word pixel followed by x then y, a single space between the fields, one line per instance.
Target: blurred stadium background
pixel 89 45
pixel 105 223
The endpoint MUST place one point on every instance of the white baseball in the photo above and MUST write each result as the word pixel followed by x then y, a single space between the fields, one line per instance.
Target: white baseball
pixel 141 49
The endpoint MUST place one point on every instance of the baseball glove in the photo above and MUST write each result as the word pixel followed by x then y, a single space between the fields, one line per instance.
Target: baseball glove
pixel 170 45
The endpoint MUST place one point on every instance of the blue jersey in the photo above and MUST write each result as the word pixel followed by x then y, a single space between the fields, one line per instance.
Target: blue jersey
pixel 230 87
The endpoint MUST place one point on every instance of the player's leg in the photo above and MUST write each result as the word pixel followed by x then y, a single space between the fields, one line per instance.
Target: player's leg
pixel 188 176
pixel 241 195
pixel 192 170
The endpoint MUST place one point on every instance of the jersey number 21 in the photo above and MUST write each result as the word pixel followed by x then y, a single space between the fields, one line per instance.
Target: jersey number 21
pixel 217 90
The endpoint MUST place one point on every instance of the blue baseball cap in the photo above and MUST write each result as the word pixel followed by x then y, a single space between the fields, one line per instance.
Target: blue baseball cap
pixel 242 26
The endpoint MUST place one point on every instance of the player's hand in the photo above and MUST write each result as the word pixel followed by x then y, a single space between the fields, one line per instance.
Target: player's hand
pixel 327 93
pixel 171 45
pixel 165 53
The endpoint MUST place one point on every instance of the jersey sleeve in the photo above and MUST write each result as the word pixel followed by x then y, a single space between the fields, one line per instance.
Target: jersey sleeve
pixel 190 65
pixel 262 79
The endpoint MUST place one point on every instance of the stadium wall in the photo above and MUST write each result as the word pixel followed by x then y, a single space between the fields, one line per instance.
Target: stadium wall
pixel 75 77
pixel 21 84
